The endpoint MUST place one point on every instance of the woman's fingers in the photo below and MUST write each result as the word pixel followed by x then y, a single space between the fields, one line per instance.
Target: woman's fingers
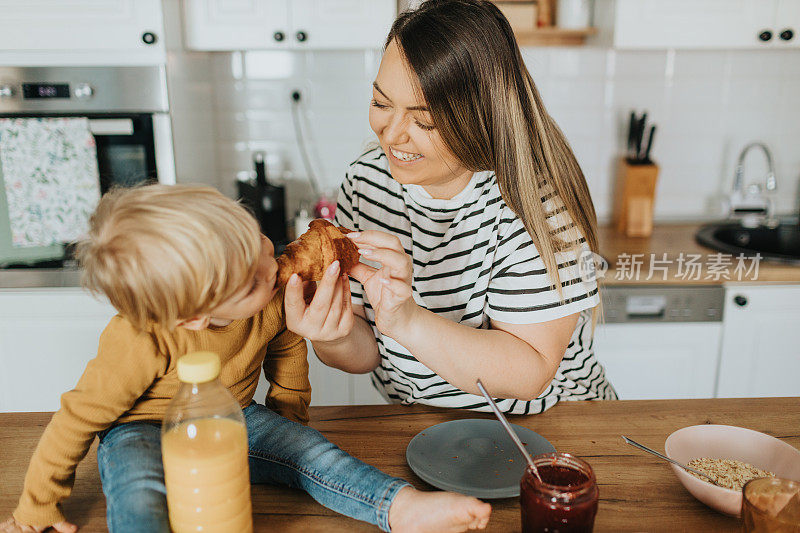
pixel 386 249
pixel 376 239
pixel 321 304
pixel 329 315
pixel 306 315
pixel 362 272
pixel 347 300
pixel 398 264
pixel 331 323
pixel 293 302
pixel 399 289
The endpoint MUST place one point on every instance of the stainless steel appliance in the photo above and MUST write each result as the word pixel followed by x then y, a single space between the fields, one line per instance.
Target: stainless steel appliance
pixel 128 113
pixel 653 304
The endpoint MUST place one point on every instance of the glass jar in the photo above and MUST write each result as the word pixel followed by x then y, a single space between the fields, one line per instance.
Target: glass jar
pixel 771 505
pixel 564 501
pixel 574 14
pixel 204 451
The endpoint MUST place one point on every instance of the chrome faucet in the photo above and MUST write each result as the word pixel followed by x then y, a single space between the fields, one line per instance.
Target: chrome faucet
pixel 749 204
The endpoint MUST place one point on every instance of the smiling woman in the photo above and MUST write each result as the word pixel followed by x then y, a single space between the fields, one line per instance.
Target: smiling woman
pixel 479 221
pixel 404 126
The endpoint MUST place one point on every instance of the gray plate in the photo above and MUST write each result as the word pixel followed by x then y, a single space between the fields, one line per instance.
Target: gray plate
pixel 473 457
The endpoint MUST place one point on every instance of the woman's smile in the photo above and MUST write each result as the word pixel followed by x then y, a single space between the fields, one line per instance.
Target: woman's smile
pixel 403 156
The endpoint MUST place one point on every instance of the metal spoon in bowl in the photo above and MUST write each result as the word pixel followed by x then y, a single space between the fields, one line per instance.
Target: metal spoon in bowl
pixel 673 461
pixel 510 431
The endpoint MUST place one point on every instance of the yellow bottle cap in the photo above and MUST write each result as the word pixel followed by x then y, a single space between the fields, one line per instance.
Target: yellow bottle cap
pixel 198 367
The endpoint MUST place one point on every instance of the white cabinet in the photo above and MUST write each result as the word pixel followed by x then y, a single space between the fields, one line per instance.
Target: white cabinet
pixel 342 23
pixel 46 338
pixel 648 24
pixel 659 361
pixel 131 30
pixel 286 24
pixel 787 24
pixel 235 24
pixel 761 342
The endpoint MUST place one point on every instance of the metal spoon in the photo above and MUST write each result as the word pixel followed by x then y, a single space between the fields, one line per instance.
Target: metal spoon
pixel 673 461
pixel 510 431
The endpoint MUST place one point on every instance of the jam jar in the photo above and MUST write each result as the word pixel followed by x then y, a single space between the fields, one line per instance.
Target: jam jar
pixel 564 501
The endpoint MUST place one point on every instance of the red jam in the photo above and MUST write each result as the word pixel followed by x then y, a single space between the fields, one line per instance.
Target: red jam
pixel 565 501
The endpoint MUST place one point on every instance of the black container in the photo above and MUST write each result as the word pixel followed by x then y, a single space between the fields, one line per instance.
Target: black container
pixel 267 202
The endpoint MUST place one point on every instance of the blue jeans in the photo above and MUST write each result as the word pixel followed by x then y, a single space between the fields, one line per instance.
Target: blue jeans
pixel 281 452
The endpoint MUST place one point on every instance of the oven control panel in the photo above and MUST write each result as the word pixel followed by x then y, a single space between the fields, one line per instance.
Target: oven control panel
pixel 43 91
pixel 83 89
pixel 662 304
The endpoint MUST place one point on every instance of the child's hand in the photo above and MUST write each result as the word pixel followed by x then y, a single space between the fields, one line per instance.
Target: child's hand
pixel 329 316
pixel 12 526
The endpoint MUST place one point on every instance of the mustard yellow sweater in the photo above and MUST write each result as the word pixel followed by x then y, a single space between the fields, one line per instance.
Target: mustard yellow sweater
pixel 134 377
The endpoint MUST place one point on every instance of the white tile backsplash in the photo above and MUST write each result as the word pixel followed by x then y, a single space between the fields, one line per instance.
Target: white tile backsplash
pixel 271 64
pixel 707 104
pixel 640 65
pixel 696 65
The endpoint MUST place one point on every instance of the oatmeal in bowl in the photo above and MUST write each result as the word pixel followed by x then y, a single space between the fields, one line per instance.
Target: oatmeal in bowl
pixel 728 451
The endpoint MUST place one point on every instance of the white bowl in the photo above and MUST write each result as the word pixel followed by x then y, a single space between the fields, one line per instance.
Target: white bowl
pixel 729 442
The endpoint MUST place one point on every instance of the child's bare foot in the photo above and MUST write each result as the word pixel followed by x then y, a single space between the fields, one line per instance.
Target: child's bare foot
pixel 414 511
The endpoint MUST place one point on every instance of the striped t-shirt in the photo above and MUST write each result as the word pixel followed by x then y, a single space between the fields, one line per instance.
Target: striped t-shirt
pixel 473 261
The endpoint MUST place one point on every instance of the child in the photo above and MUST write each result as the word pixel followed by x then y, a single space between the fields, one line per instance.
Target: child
pixel 187 269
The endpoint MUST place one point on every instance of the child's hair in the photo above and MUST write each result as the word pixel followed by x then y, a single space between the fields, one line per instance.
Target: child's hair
pixel 165 253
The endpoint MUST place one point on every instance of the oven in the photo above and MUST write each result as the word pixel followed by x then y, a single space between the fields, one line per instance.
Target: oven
pixel 128 113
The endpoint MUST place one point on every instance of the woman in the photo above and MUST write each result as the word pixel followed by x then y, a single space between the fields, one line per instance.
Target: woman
pixel 476 215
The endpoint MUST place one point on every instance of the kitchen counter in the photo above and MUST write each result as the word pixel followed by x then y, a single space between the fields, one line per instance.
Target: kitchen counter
pixel 677 241
pixel 29 278
pixel 638 492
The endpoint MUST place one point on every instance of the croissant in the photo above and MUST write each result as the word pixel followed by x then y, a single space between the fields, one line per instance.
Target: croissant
pixel 315 250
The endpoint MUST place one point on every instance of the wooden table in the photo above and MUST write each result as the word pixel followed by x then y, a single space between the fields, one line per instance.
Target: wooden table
pixel 637 491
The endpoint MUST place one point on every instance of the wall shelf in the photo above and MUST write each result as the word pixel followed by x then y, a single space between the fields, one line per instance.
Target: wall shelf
pixel 553 36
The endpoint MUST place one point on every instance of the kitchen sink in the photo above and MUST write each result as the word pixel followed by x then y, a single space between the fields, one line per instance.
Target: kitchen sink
pixel 779 244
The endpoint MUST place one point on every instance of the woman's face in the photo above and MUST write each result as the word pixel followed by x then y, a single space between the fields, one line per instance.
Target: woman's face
pixel 417 155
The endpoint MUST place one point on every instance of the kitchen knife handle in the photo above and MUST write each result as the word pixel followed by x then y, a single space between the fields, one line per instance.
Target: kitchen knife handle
pixel 631 132
pixel 646 158
pixel 260 168
pixel 640 136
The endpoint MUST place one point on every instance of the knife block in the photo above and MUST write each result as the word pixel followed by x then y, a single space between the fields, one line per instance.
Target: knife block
pixel 635 199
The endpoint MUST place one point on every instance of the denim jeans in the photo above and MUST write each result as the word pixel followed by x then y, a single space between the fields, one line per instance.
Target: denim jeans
pixel 280 452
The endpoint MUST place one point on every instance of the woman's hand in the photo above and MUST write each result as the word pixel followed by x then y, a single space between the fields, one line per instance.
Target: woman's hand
pixel 12 526
pixel 388 288
pixel 329 316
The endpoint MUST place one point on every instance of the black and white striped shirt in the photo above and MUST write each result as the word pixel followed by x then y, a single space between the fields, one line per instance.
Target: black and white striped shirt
pixel 473 261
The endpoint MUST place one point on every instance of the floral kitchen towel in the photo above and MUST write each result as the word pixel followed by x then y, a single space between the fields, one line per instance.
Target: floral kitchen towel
pixel 52 183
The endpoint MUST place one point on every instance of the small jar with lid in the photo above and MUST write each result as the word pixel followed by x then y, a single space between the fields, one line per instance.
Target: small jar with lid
pixel 564 501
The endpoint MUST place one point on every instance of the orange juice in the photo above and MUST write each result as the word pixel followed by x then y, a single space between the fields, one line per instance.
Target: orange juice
pixel 204 451
pixel 208 482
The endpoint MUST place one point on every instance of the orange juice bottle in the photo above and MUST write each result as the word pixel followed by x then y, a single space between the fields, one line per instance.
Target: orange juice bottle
pixel 204 451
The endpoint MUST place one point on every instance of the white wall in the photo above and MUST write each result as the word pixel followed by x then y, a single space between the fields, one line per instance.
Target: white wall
pixel 190 85
pixel 707 106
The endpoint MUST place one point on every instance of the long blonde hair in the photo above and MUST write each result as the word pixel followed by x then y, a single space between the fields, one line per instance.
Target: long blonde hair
pixel 165 253
pixel 484 103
